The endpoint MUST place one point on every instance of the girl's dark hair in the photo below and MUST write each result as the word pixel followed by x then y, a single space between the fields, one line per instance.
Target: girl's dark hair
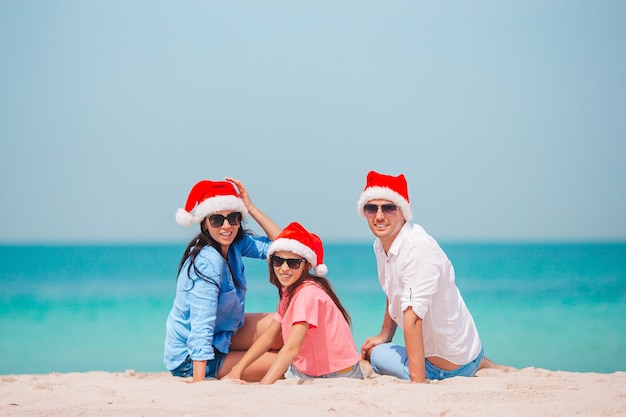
pixel 201 240
pixel 322 282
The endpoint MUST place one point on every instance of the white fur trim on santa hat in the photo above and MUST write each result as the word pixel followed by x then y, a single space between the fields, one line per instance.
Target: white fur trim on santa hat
pixel 210 206
pixel 295 246
pixel 384 193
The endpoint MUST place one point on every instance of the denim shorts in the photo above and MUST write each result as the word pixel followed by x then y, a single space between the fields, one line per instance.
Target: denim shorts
pixel 351 372
pixel 213 366
pixel 391 359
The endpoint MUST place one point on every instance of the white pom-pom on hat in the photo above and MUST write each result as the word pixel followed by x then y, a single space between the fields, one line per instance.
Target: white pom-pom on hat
pixel 183 217
pixel 321 270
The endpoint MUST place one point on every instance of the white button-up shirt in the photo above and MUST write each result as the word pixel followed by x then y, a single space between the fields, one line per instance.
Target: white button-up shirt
pixel 417 273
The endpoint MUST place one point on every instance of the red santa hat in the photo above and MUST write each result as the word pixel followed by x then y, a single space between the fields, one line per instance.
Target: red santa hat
pixel 295 238
pixel 386 187
pixel 208 197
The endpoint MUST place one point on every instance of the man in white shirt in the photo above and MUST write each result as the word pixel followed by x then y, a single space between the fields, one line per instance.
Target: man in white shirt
pixel 441 340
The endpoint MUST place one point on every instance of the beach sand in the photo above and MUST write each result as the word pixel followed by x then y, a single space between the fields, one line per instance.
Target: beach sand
pixel 493 392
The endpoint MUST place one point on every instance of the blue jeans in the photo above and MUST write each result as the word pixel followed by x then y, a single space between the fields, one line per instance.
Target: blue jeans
pixel 391 359
pixel 213 366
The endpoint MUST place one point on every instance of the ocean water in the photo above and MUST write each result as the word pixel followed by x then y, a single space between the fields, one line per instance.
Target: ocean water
pixel 103 307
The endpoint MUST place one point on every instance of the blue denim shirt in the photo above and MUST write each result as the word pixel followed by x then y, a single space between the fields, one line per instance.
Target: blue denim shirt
pixel 208 311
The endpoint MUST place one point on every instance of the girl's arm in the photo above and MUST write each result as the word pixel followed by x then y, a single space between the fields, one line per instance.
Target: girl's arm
pixel 287 353
pixel 258 348
pixel 271 229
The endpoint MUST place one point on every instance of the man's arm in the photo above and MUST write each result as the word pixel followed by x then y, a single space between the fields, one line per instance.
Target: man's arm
pixel 414 342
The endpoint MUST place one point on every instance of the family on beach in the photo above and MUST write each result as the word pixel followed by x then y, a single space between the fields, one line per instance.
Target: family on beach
pixel 208 334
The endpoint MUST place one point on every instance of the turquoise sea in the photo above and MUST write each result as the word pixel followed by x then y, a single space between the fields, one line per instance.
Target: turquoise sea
pixel 103 307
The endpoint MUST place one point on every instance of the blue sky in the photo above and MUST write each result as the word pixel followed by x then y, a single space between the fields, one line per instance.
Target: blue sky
pixel 507 118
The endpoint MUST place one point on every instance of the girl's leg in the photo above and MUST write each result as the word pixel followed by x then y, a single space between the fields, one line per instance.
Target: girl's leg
pixel 254 372
pixel 254 324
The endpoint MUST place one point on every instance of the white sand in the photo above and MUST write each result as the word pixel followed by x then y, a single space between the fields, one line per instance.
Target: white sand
pixel 525 392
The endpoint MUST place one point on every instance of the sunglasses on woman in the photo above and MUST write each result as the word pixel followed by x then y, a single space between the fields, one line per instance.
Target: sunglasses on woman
pixel 217 220
pixel 292 263
pixel 388 209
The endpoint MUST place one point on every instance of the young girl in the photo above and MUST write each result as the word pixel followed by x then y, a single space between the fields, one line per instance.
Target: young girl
pixel 206 332
pixel 315 327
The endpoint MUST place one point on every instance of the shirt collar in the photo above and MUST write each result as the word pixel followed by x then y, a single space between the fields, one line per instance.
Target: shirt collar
pixel 395 246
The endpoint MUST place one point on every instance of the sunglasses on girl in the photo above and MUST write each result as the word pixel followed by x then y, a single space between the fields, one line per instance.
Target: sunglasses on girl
pixel 217 220
pixel 388 209
pixel 292 263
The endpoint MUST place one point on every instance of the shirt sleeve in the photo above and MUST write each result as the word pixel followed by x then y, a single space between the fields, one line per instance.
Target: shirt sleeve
pixel 280 310
pixel 305 306
pixel 420 271
pixel 203 310
pixel 254 246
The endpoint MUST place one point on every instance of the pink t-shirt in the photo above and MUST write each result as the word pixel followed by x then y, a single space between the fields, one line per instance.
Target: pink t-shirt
pixel 328 345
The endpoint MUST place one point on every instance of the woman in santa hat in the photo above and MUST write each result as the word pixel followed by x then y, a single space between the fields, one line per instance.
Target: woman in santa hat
pixel 314 325
pixel 206 330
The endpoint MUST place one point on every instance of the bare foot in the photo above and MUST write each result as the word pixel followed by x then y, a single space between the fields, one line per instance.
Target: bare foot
pixel 488 364
pixel 366 368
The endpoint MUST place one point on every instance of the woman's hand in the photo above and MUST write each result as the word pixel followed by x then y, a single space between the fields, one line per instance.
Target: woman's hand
pixel 199 371
pixel 271 229
pixel 243 193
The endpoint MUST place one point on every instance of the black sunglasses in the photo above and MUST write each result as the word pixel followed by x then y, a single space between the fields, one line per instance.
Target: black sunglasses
pixel 217 220
pixel 388 209
pixel 293 263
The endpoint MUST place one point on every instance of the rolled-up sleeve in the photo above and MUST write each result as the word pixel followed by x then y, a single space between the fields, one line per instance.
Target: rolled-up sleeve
pixel 203 311
pixel 420 271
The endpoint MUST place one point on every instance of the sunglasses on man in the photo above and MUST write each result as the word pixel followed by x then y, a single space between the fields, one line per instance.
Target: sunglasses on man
pixel 387 209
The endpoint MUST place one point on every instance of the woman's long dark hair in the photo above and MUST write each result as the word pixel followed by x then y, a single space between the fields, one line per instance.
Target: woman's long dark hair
pixel 324 283
pixel 201 240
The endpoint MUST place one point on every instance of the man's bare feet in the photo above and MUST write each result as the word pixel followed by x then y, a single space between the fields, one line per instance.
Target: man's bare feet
pixel 488 364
